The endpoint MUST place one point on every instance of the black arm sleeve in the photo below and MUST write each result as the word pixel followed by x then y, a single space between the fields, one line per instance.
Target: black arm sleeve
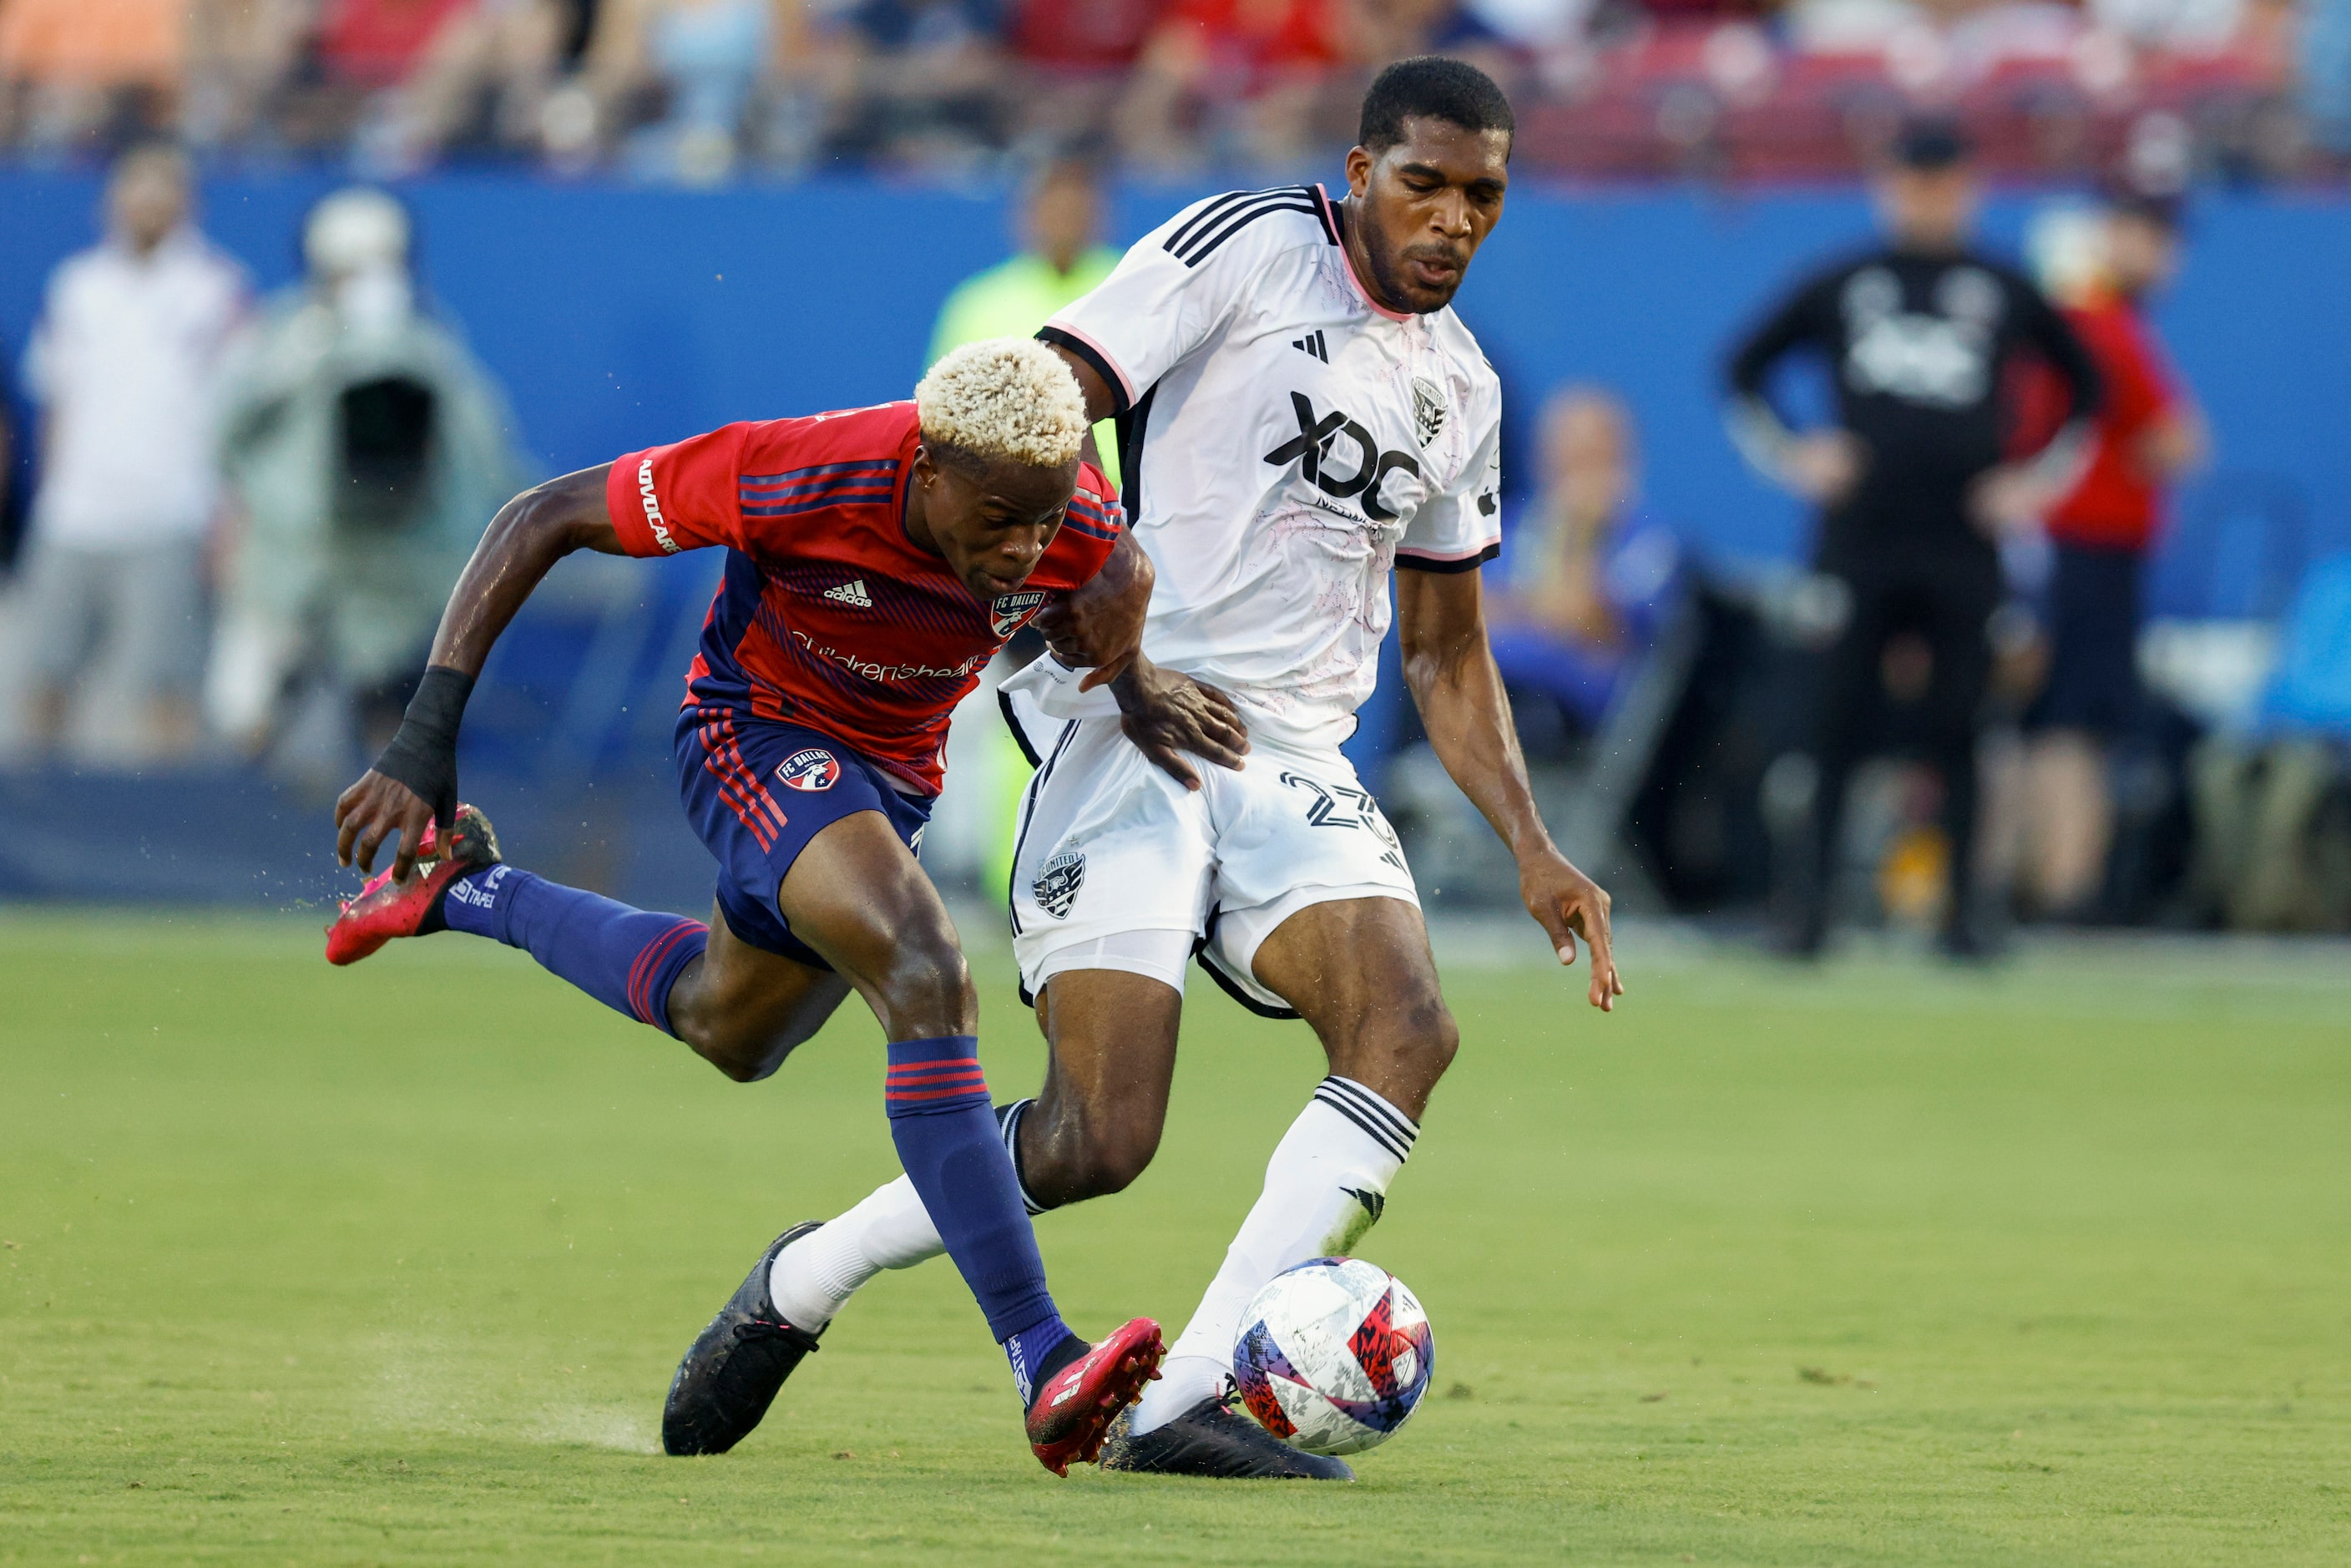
pixel 1794 324
pixel 2042 327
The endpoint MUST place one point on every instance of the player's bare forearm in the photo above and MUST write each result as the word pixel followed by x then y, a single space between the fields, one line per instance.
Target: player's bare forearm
pixel 415 782
pixel 1450 667
pixel 1099 627
pixel 522 544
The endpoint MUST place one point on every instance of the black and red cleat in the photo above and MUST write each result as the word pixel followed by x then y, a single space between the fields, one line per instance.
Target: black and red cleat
pixel 385 909
pixel 1071 1410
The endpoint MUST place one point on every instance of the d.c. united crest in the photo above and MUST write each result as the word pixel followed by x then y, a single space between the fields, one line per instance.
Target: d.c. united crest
pixel 813 769
pixel 1009 610
pixel 1427 409
pixel 1057 885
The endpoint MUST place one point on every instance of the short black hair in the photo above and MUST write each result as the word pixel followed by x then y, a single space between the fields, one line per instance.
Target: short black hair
pixel 1932 142
pixel 1431 84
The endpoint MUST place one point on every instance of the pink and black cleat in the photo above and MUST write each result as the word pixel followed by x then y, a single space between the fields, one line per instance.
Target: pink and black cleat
pixel 385 909
pixel 1073 1409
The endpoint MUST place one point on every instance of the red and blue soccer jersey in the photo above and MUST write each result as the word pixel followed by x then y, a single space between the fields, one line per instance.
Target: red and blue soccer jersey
pixel 829 616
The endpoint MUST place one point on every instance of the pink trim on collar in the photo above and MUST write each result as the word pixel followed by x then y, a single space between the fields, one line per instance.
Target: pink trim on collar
pixel 1331 212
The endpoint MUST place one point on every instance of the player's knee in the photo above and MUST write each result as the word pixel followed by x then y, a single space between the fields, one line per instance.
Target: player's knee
pixel 738 1049
pixel 1414 1043
pixel 1112 1158
pixel 925 989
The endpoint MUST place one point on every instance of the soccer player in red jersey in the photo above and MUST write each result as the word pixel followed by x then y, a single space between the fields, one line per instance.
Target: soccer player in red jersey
pixel 876 559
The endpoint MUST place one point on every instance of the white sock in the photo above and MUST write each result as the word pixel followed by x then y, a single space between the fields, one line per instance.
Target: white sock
pixel 1325 1187
pixel 810 1279
pixel 814 1275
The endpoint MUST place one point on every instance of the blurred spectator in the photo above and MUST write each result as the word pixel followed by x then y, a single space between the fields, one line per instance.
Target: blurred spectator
pixel 682 79
pixel 2147 433
pixel 71 69
pixel 368 450
pixel 123 365
pixel 1248 74
pixel 241 55
pixel 1061 258
pixel 1386 31
pixel 1912 489
pixel 482 82
pixel 1075 55
pixel 929 81
pixel 1589 572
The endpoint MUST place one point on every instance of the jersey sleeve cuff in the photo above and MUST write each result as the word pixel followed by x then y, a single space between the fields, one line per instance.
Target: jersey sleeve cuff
pixel 1420 560
pixel 624 503
pixel 1122 391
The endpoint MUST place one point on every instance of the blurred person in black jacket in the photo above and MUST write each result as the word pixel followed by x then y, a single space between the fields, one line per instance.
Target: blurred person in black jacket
pixel 1914 492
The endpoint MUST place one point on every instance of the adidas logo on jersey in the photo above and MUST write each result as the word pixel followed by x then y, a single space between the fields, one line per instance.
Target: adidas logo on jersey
pixel 1313 344
pixel 852 593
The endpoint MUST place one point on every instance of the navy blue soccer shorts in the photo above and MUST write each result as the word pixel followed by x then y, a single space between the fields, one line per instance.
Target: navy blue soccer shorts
pixel 758 791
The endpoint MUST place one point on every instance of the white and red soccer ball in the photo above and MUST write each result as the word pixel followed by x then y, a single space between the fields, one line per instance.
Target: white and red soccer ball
pixel 1334 1356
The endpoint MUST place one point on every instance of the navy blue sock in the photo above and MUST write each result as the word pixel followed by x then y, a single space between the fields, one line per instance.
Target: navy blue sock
pixel 626 958
pixel 947 1139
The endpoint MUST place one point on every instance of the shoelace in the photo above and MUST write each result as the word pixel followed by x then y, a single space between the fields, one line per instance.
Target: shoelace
pixel 799 1338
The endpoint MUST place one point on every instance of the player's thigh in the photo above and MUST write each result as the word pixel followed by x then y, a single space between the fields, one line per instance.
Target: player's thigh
pixel 746 999
pixel 1295 829
pixel 856 894
pixel 1111 1039
pixel 1359 971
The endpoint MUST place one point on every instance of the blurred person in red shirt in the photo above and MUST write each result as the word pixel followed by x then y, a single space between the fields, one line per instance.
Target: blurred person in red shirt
pixel 2148 432
pixel 1255 70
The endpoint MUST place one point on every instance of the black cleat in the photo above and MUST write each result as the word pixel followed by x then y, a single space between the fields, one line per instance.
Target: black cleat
pixel 1211 1439
pixel 732 1373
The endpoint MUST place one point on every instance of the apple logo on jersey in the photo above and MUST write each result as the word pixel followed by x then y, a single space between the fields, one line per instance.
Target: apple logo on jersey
pixel 1007 611
pixel 810 770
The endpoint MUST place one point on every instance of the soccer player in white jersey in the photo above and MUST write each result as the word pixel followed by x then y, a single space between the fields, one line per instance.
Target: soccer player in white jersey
pixel 1298 410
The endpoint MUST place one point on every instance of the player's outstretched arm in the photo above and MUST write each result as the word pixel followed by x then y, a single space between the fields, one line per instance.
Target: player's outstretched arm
pixel 415 780
pixel 1450 667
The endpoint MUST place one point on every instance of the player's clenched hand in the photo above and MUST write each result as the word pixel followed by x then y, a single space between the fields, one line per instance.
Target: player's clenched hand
pixel 374 809
pixel 1167 715
pixel 1566 903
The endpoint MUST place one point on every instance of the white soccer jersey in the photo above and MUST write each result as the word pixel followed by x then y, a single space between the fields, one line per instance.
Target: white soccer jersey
pixel 1284 442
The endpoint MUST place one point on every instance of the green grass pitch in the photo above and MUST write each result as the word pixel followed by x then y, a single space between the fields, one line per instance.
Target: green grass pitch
pixel 1876 1265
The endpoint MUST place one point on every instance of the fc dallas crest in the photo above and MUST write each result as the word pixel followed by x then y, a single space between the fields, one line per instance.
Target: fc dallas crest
pixel 1009 610
pixel 810 770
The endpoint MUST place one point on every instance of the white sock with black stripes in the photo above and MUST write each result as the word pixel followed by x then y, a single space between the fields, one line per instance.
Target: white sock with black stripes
pixel 810 1280
pixel 1325 1187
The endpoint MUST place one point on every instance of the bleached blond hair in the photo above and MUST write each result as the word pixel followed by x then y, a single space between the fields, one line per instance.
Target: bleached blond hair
pixel 1004 397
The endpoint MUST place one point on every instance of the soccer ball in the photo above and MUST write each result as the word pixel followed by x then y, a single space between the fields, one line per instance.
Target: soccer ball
pixel 1335 1357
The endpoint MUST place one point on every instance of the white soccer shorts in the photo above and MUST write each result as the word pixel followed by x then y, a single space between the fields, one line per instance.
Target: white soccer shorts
pixel 1119 866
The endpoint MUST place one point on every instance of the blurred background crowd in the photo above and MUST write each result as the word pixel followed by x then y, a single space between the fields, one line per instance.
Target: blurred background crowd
pixel 256 428
pixel 699 90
